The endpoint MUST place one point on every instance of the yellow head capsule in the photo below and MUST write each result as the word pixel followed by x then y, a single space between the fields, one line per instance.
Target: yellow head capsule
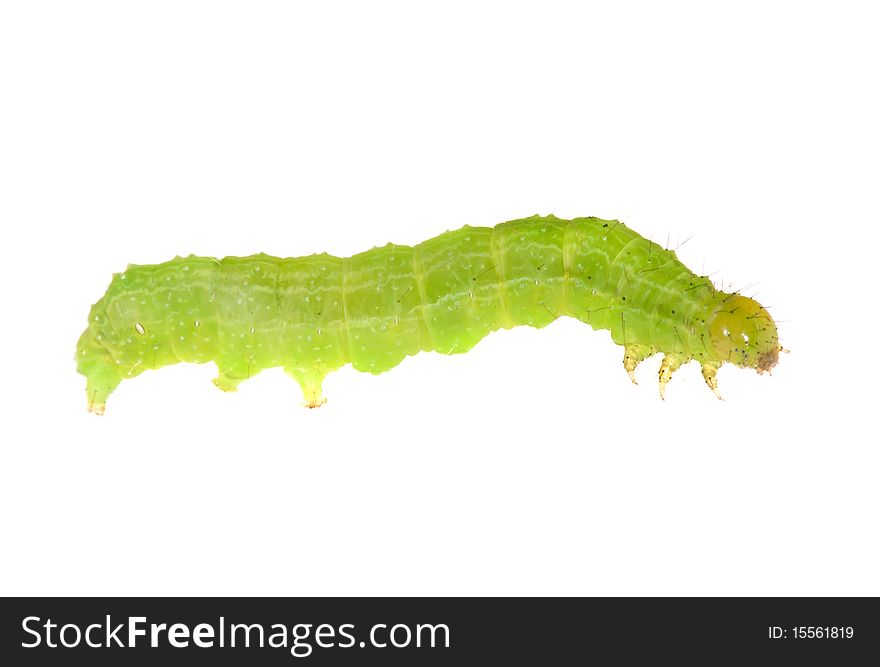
pixel 743 333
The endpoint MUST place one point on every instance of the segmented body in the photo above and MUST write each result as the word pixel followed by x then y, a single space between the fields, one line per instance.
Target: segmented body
pixel 312 315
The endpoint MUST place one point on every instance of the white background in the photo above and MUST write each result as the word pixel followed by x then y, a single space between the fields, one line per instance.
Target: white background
pixel 132 132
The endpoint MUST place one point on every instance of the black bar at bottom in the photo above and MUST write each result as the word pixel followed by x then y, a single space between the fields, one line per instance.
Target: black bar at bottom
pixel 429 631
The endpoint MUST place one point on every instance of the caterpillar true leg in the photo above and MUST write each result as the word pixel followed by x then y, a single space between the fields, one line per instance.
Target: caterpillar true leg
pixel 671 363
pixel 633 355
pixel 709 373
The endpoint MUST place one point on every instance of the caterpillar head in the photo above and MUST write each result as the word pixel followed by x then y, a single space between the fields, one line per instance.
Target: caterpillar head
pixel 743 333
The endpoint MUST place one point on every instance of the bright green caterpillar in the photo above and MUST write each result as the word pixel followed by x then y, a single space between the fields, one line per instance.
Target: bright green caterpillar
pixel 312 315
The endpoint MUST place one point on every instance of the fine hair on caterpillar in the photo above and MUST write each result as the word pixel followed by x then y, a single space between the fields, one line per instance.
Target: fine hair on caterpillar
pixel 312 315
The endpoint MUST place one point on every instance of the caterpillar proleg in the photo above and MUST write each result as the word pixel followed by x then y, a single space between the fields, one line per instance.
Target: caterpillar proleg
pixel 312 315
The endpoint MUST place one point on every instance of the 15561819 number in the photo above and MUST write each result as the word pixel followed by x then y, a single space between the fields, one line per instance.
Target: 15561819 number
pixel 822 632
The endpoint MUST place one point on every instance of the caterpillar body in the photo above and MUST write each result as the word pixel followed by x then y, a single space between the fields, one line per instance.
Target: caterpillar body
pixel 312 315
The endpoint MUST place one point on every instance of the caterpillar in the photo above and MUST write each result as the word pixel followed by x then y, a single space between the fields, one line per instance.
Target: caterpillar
pixel 312 315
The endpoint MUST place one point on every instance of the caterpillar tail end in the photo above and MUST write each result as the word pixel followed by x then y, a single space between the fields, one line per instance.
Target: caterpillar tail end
pixel 99 385
pixel 99 368
pixel 101 379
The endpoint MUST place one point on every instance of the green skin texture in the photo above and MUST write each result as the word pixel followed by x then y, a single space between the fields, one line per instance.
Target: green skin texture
pixel 312 315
